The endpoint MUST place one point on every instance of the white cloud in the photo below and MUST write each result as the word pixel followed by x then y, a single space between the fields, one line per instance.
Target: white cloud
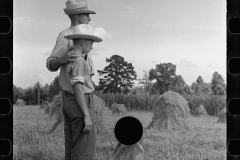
pixel 130 7
pixel 28 21
pixel 102 33
pixel 185 63
pixel 97 50
pixel 154 62
pixel 39 77
pixel 215 64
pixel 210 27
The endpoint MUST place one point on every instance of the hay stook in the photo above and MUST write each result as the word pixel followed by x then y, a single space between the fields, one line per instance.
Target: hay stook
pixel 170 113
pixel 222 116
pixel 200 111
pixel 128 152
pixel 44 105
pixel 119 109
pixel 54 109
pixel 20 103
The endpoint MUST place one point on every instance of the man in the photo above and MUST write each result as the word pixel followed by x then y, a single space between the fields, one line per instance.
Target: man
pixel 78 12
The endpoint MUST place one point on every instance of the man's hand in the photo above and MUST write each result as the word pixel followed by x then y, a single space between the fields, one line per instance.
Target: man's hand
pixel 88 123
pixel 55 64
pixel 67 58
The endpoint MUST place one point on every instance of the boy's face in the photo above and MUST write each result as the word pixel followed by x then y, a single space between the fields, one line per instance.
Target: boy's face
pixel 87 46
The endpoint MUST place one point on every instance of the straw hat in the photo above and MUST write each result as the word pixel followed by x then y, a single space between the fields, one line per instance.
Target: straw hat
pixel 77 7
pixel 83 31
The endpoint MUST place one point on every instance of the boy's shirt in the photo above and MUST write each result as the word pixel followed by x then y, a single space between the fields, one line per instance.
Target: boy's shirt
pixel 62 46
pixel 79 71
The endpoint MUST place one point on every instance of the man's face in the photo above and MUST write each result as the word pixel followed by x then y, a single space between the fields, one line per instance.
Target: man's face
pixel 87 46
pixel 83 18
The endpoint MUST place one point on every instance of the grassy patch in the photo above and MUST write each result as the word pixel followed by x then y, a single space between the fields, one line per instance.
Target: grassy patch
pixel 207 141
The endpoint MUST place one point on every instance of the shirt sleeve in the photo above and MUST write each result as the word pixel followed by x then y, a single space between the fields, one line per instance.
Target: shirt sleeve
pixel 59 50
pixel 77 71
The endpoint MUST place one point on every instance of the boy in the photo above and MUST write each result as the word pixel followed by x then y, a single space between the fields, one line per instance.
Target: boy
pixel 78 108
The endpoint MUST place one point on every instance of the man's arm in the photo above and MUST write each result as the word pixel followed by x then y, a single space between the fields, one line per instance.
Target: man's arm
pixel 56 63
pixel 58 56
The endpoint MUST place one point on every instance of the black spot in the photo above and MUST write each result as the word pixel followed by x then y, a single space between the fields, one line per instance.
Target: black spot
pixel 128 130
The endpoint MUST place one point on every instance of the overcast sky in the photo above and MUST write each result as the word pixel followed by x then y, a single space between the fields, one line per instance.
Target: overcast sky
pixel 188 33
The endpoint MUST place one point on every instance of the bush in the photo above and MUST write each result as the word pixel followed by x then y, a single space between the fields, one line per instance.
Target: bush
pixel 212 103
pixel 131 101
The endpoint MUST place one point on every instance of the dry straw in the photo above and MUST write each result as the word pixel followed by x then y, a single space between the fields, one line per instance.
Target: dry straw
pixel 128 152
pixel 119 109
pixel 222 116
pixel 170 113
pixel 20 103
pixel 200 111
pixel 44 105
pixel 100 115
pixel 54 109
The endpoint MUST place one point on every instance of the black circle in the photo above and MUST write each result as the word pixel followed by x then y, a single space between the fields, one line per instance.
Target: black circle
pixel 128 130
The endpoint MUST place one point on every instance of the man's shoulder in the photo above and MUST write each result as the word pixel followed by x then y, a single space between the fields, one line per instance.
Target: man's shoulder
pixel 65 32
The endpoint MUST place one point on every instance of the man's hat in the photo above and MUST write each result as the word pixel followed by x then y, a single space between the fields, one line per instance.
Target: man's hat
pixel 77 7
pixel 83 31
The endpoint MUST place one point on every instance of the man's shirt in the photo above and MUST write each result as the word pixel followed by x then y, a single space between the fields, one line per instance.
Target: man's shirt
pixel 62 46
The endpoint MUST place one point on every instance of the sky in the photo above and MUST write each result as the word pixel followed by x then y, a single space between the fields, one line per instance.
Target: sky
pixel 190 34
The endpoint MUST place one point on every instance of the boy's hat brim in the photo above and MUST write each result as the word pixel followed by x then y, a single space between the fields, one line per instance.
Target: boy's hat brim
pixel 78 11
pixel 83 36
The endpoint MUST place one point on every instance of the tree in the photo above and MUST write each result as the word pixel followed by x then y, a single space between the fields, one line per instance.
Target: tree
pixel 205 88
pixel 17 93
pixel 145 82
pixel 217 84
pixel 29 97
pixel 137 90
pixel 45 93
pixel 166 78
pixel 195 87
pixel 54 88
pixel 188 90
pixel 178 85
pixel 117 76
pixel 37 92
pixel 199 80
pixel 200 87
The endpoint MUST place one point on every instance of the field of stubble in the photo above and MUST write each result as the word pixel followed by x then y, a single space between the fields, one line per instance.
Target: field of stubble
pixel 206 142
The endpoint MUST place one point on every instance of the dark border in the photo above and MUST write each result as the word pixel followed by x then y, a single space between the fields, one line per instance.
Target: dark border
pixel 6 80
pixel 233 80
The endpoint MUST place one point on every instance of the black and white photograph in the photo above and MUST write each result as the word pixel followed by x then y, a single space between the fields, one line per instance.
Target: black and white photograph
pixel 81 66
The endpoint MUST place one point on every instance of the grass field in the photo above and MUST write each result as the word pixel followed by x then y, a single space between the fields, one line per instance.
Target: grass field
pixel 206 142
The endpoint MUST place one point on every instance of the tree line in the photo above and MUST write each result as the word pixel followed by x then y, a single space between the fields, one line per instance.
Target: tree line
pixel 118 77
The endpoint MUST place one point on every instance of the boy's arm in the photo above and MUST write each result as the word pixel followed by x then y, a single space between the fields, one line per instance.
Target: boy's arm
pixel 79 94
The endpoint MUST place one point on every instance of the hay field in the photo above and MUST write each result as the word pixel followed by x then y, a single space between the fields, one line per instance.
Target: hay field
pixel 208 141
